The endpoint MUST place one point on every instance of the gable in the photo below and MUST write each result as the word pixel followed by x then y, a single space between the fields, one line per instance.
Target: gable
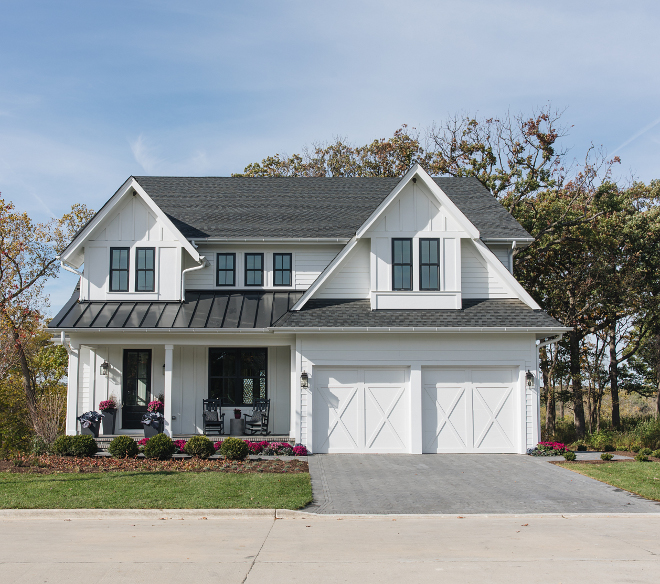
pixel 132 221
pixel 478 278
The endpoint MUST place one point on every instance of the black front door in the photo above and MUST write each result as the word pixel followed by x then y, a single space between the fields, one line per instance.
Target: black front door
pixel 136 390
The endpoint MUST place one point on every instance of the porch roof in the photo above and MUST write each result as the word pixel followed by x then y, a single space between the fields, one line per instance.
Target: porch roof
pixel 237 309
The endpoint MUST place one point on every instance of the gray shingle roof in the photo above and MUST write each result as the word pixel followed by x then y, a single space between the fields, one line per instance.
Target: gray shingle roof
pixel 304 207
pixel 499 313
pixel 245 309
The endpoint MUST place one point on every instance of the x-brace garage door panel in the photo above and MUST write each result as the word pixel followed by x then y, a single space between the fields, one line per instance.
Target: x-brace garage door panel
pixel 470 410
pixel 361 410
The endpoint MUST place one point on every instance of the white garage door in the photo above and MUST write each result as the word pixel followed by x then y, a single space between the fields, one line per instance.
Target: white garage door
pixel 361 410
pixel 470 410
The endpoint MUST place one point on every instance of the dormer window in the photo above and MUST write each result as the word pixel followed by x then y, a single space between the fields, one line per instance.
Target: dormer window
pixel 401 264
pixel 226 269
pixel 282 269
pixel 429 264
pixel 254 269
pixel 144 269
pixel 119 269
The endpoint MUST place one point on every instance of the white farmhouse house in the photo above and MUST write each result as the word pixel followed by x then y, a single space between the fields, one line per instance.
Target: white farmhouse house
pixel 376 314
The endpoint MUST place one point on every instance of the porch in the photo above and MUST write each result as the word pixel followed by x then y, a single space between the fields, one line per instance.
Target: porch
pixel 136 371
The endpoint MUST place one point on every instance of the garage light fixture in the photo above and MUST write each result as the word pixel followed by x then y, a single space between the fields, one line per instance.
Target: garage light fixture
pixel 104 368
pixel 529 377
pixel 304 380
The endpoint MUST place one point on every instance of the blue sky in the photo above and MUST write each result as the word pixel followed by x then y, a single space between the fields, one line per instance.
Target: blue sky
pixel 92 92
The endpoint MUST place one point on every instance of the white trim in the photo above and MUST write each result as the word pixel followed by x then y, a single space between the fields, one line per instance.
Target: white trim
pixel 504 273
pixel 416 169
pixel 111 204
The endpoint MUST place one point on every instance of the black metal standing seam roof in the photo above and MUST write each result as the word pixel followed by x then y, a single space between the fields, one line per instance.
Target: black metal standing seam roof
pixel 305 207
pixel 201 310
pixel 500 313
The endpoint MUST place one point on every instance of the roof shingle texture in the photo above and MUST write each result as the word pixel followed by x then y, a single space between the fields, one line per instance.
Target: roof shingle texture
pixel 306 207
pixel 474 314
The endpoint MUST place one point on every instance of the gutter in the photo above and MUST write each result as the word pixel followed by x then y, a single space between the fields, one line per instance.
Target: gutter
pixel 67 345
pixel 69 268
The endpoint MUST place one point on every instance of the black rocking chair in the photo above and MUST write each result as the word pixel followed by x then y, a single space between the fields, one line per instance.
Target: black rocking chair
pixel 214 419
pixel 257 421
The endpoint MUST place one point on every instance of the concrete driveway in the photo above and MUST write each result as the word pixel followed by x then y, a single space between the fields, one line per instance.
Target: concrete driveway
pixel 461 484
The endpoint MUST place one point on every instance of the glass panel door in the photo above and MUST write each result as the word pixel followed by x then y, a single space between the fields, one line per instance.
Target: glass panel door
pixel 136 390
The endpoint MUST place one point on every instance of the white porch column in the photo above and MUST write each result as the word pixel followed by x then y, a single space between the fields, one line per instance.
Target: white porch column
pixel 72 391
pixel 416 429
pixel 169 359
pixel 295 404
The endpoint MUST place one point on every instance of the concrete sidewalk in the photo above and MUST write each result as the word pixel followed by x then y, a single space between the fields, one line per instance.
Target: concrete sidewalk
pixel 233 547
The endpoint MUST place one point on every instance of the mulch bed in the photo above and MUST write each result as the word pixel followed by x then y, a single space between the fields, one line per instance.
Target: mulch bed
pixel 48 464
pixel 619 452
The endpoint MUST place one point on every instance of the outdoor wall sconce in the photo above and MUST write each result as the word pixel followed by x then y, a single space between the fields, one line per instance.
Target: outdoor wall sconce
pixel 104 368
pixel 529 377
pixel 304 380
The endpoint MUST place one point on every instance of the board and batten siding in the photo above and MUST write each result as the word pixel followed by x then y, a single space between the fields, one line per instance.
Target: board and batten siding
pixel 352 279
pixel 132 226
pixel 478 280
pixel 308 261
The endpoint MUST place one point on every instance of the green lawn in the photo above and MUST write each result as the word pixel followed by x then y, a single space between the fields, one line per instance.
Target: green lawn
pixel 642 478
pixel 155 490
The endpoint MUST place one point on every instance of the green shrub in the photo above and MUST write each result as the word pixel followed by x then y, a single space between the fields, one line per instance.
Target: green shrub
pixel 606 456
pixel 564 431
pixel 82 445
pixel 160 447
pixel 199 446
pixel 234 449
pixel 648 434
pixel 634 448
pixel 641 458
pixel 123 447
pixel 63 446
pixel 645 451
pixel 656 453
pixel 570 455
pixel 601 439
pixel 581 447
pixel 608 448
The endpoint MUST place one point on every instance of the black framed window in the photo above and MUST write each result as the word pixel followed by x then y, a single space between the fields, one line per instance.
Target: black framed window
pixel 237 376
pixel 119 269
pixel 226 269
pixel 429 264
pixel 145 259
pixel 281 269
pixel 401 264
pixel 254 269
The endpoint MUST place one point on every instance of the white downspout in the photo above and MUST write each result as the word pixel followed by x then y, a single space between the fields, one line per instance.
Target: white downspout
pixel 67 345
pixel 202 264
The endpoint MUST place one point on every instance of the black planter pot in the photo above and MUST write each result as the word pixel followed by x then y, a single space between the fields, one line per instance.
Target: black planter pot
pixel 92 430
pixel 152 429
pixel 109 417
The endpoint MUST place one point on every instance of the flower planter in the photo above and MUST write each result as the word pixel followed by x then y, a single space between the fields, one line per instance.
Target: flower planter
pixel 109 417
pixel 92 429
pixel 152 429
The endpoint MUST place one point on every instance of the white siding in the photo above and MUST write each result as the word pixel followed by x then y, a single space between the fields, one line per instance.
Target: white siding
pixel 352 278
pixel 308 261
pixel 133 225
pixel 503 253
pixel 478 280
